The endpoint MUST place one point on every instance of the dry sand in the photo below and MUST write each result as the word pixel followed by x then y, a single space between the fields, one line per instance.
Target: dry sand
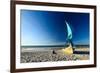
pixel 50 55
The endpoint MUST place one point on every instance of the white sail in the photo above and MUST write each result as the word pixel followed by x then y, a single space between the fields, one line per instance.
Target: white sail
pixel 69 31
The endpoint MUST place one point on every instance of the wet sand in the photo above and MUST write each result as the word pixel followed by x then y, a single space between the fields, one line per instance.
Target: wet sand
pixel 28 56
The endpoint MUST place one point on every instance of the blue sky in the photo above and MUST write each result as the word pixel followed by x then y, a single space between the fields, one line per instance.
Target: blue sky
pixel 49 28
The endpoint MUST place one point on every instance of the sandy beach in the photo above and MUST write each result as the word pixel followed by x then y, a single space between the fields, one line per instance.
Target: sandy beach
pixel 29 55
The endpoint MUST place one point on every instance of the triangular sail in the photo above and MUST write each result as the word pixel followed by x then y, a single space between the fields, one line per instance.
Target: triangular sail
pixel 69 36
